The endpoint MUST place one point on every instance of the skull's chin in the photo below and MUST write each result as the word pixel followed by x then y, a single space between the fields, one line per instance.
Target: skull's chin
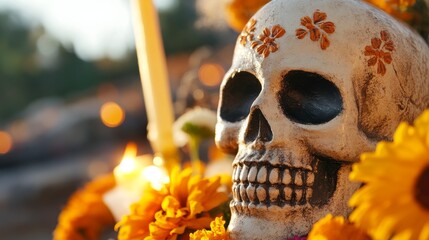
pixel 280 201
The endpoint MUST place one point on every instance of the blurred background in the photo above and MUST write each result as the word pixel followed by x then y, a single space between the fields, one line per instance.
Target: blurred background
pixel 71 97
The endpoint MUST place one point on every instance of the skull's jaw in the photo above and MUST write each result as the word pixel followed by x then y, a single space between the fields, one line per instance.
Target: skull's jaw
pixel 281 201
pixel 261 184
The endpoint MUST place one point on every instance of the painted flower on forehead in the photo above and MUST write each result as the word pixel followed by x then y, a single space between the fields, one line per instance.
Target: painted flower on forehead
pixel 317 27
pixel 267 40
pixel 247 34
pixel 394 200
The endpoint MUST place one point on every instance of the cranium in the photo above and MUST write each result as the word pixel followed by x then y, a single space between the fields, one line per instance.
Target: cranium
pixel 313 84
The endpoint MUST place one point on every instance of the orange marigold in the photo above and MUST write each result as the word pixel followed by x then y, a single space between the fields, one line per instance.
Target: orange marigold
pixel 182 205
pixel 240 11
pixel 217 231
pixel 85 214
pixel 333 228
pixel 396 8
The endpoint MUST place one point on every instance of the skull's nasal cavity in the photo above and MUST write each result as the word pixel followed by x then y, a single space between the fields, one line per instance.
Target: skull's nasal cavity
pixel 258 129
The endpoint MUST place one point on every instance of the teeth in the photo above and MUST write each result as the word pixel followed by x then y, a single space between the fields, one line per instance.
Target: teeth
pixel 287 179
pixel 244 173
pixel 243 193
pixel 310 179
pixel 309 193
pixel 261 193
pixel 272 185
pixel 237 173
pixel 252 174
pixel 262 175
pixel 251 193
pixel 298 178
pixel 298 194
pixel 274 176
pixel 274 194
pixel 236 192
pixel 288 193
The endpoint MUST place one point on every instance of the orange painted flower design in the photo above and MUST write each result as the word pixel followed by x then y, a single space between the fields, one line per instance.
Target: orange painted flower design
pixel 317 27
pixel 248 31
pixel 380 52
pixel 267 40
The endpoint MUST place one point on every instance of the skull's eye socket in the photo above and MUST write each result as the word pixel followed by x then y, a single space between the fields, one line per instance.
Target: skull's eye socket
pixel 308 98
pixel 238 94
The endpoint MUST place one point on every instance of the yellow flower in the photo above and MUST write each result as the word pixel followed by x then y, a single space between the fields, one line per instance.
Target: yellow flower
pixel 240 11
pixel 336 228
pixel 183 204
pixel 217 231
pixel 85 214
pixel 395 197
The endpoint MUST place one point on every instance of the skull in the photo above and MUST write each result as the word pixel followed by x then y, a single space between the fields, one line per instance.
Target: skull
pixel 313 84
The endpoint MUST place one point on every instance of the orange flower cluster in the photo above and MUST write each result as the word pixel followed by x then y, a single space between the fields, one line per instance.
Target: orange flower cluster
pixel 217 231
pixel 332 228
pixel 182 205
pixel 86 215
pixel 240 11
pixel 396 8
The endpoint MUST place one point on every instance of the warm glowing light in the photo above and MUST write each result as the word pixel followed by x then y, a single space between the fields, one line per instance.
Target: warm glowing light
pixel 5 142
pixel 157 176
pixel 211 74
pixel 112 115
pixel 128 171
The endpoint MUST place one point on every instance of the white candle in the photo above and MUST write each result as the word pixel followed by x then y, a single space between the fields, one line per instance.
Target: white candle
pixel 154 78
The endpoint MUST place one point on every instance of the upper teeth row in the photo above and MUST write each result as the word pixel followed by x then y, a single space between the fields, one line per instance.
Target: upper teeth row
pixel 273 175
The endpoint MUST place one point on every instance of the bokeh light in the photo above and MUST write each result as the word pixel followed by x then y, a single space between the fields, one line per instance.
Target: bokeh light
pixel 111 114
pixel 211 74
pixel 5 142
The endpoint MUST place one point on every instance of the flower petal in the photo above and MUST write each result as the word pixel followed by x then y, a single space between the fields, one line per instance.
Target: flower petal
pixel 372 61
pixel 324 42
pixel 381 68
pixel 384 35
pixel 389 46
pixel 278 31
pixel 319 16
pixel 376 43
pixel 305 21
pixel 328 27
pixel 314 34
pixel 369 51
pixel 387 58
pixel 300 33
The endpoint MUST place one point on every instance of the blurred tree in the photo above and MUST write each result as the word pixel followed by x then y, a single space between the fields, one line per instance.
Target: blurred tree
pixel 24 76
pixel 179 31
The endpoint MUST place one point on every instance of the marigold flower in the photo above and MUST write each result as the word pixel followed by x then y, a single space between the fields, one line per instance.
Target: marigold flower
pixel 85 214
pixel 394 200
pixel 334 228
pixel 240 11
pixel 217 231
pixel 182 205
pixel 396 8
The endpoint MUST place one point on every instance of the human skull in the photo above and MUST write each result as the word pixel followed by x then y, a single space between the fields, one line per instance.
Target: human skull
pixel 313 84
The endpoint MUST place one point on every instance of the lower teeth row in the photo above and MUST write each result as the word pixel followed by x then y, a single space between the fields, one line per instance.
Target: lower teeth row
pixel 277 194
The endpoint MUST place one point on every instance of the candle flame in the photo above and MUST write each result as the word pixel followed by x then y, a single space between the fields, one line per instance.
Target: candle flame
pixel 128 163
pixel 157 176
